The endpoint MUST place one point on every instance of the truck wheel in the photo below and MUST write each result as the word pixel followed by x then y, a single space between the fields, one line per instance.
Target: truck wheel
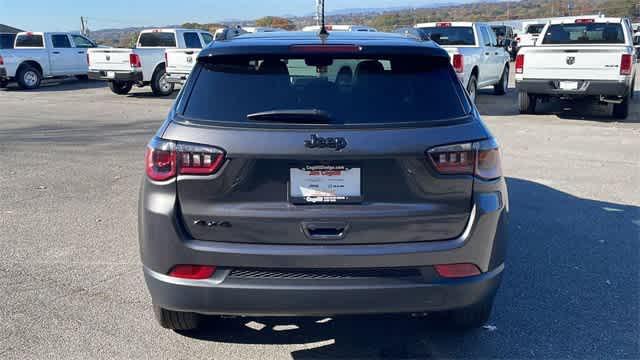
pixel 159 84
pixel 29 78
pixel 621 111
pixel 470 317
pixel 120 87
pixel 472 88
pixel 175 320
pixel 3 84
pixel 527 103
pixel 501 87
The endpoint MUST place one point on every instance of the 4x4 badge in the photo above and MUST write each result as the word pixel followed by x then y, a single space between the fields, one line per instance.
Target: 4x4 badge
pixel 317 142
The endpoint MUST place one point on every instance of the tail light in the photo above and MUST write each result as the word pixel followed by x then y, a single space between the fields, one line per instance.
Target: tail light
pixel 625 64
pixel 134 60
pixel 456 271
pixel 458 63
pixel 1 60
pixel 520 64
pixel 517 39
pixel 443 24
pixel 585 21
pixel 481 159
pixel 192 272
pixel 166 159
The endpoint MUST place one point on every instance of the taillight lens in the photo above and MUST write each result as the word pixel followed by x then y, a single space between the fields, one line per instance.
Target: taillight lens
pixel 166 159
pixel 1 61
pixel 458 63
pixel 456 271
pixel 482 159
pixel 520 64
pixel 134 60
pixel 192 272
pixel 625 64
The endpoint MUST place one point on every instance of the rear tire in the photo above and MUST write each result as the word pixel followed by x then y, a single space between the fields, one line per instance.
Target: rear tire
pixel 471 317
pixel 621 111
pixel 28 77
pixel 159 84
pixel 3 84
pixel 527 103
pixel 472 88
pixel 120 87
pixel 174 320
pixel 501 87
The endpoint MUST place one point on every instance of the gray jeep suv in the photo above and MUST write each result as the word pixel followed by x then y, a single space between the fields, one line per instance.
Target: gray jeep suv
pixel 306 176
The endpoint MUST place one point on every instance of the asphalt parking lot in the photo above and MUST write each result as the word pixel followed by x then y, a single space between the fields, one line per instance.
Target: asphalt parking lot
pixel 71 283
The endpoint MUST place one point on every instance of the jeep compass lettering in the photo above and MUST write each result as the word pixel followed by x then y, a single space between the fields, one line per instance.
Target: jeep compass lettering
pixel 297 176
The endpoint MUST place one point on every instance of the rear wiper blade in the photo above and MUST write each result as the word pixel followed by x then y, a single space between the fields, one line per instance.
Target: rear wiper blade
pixel 304 116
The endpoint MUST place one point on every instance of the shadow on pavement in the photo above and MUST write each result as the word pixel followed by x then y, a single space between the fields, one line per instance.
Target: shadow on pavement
pixel 570 290
pixel 56 85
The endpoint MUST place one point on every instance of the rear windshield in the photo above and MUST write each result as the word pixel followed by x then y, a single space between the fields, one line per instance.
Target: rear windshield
pixel 593 33
pixel 499 30
pixel 350 91
pixel 157 39
pixel 453 35
pixel 6 41
pixel 29 41
pixel 535 29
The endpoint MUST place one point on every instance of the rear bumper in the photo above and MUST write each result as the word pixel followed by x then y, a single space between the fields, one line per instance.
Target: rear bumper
pixel 585 88
pixel 132 76
pixel 177 78
pixel 293 297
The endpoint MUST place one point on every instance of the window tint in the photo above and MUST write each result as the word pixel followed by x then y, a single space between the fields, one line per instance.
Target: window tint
pixel 207 38
pixel 6 41
pixel 593 33
pixel 535 29
pixel 451 35
pixel 353 91
pixel 27 40
pixel 192 40
pixel 82 42
pixel 157 39
pixel 60 41
pixel 486 37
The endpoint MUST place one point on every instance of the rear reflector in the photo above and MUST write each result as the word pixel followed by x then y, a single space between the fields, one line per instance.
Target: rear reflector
pixel 585 21
pixel 458 63
pixel 626 64
pixel 520 64
pixel 322 49
pixel 192 272
pixel 166 159
pixel 456 271
pixel 482 159
pixel 134 60
pixel 443 24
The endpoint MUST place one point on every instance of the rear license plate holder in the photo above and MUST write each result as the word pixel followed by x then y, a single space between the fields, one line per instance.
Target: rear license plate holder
pixel 325 184
pixel 568 85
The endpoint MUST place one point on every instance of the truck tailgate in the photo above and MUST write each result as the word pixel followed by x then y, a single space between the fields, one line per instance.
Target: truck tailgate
pixel 111 59
pixel 181 61
pixel 574 63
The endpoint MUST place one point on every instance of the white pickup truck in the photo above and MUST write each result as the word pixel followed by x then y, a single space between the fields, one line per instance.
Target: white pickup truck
pixel 579 58
pixel 39 55
pixel 476 56
pixel 145 64
pixel 530 35
pixel 180 62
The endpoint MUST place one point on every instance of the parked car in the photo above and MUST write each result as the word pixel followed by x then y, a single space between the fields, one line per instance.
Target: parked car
pixel 7 40
pixel 145 64
pixel 348 28
pixel 581 58
pixel 321 196
pixel 476 56
pixel 506 38
pixel 180 62
pixel 40 55
pixel 529 36
pixel 228 33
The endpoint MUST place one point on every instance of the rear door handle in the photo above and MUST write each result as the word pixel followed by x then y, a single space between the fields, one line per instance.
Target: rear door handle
pixel 80 52
pixel 56 53
pixel 496 53
pixel 325 230
pixel 487 53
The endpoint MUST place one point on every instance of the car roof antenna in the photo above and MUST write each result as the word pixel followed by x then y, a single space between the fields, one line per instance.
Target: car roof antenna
pixel 324 34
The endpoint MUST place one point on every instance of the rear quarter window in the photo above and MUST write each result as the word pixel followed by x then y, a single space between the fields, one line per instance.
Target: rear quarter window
pixel 6 41
pixel 29 41
pixel 386 90
pixel 591 33
pixel 157 39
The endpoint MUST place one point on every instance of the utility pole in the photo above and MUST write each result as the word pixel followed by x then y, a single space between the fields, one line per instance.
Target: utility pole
pixel 83 26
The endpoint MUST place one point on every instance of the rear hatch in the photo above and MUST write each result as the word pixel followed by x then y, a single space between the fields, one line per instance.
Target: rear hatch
pixel 181 61
pixel 111 59
pixel 328 151
pixel 578 51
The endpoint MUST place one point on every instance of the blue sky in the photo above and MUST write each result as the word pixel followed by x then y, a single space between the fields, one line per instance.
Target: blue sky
pixel 61 15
